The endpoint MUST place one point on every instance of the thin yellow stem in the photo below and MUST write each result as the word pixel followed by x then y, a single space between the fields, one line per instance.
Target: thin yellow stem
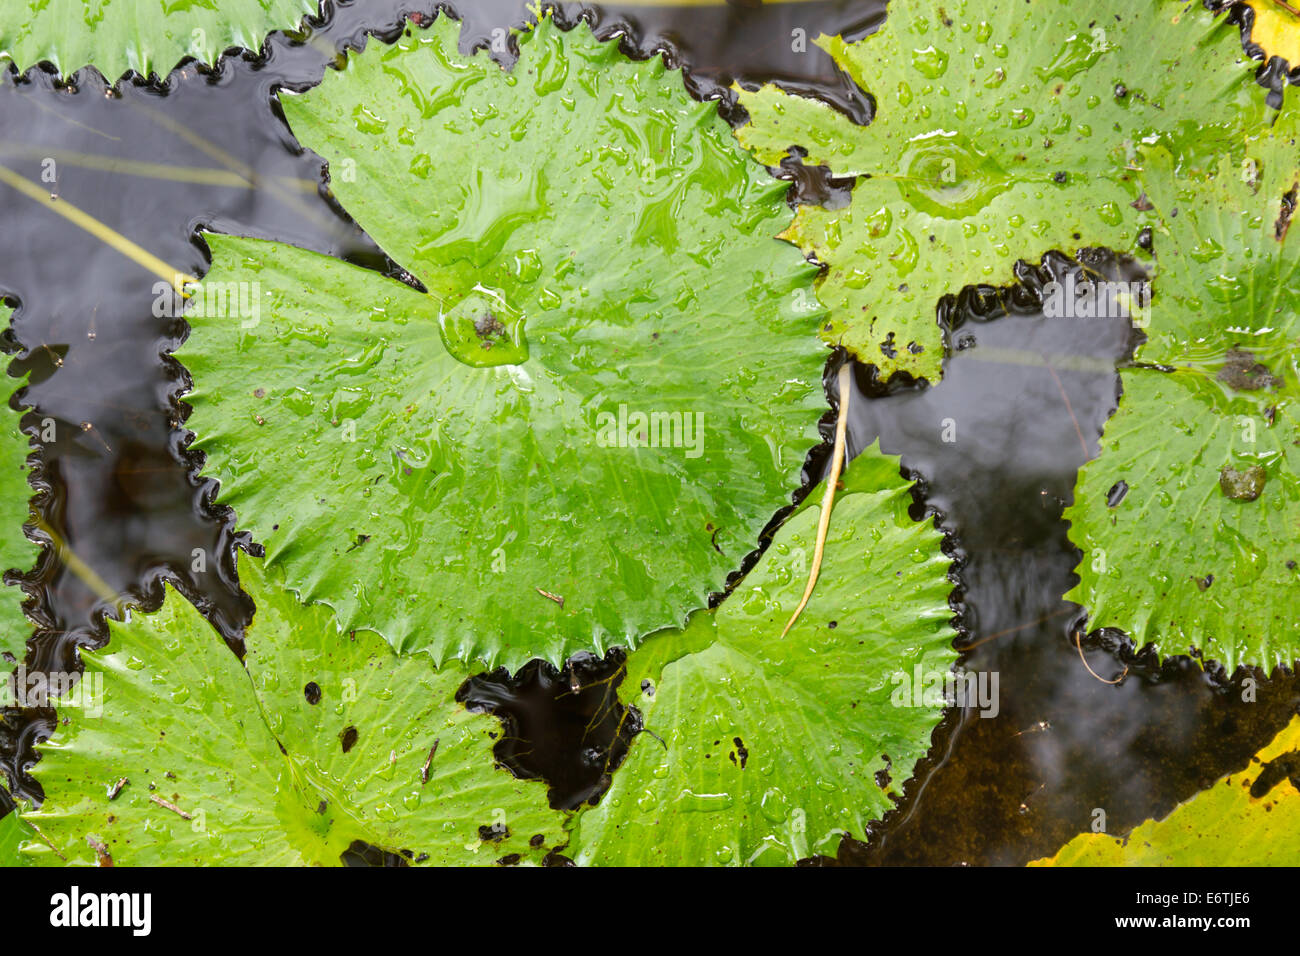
pixel 1079 645
pixel 828 498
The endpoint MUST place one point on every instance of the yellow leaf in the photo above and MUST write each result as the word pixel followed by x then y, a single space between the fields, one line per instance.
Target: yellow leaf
pixel 1277 30
pixel 1233 823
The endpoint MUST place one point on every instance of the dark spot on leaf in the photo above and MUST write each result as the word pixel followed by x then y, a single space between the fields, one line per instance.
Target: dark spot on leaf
pixel 349 738
pixel 882 776
pixel 1242 372
pixel 1116 493
pixel 312 692
pixel 1284 217
pixel 1285 767
pixel 493 832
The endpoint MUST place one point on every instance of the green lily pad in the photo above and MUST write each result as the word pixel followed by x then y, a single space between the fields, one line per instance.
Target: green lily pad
pixel 317 740
pixel 13 833
pixel 582 426
pixel 17 551
pixel 1002 131
pixel 1190 517
pixel 147 36
pixel 761 749
pixel 1246 819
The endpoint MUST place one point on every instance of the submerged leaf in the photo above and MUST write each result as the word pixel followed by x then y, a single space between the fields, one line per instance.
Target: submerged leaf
pixel 1246 819
pixel 180 754
pixel 1002 131
pixel 582 427
pixel 147 36
pixel 761 749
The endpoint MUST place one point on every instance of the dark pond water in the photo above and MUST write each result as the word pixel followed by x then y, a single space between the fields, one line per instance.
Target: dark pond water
pixel 1028 396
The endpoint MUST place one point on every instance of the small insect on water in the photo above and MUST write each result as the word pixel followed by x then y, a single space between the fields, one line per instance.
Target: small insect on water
pixel 487 326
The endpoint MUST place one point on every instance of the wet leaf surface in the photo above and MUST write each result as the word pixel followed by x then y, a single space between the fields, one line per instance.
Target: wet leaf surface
pixel 582 426
pixel 763 750
pixel 1001 131
pixel 13 833
pixel 146 36
pixel 17 552
pixel 1202 552
pixel 230 763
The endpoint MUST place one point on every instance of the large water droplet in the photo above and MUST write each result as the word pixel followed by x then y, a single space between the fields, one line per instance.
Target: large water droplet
pixel 947 175
pixel 691 802
pixel 483 331
pixel 930 62
pixel 1076 54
